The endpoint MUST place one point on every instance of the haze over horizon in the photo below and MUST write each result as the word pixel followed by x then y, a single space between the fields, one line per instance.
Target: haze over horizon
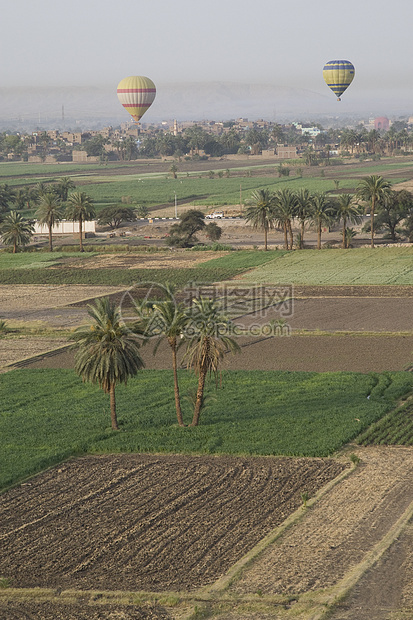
pixel 222 60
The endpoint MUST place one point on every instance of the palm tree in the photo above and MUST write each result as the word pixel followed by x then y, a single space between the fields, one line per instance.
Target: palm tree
pixel 168 319
pixel 372 189
pixel 284 212
pixel 322 213
pixel 63 187
pixel 7 195
pixel 304 206
pixel 15 230
pixel 210 339
pixel 346 211
pixel 42 188
pixel 32 196
pixel 107 351
pixel 20 198
pixel 50 212
pixel 261 212
pixel 80 209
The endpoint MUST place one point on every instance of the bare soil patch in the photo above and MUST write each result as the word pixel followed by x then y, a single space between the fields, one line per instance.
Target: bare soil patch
pixel 303 353
pixel 40 296
pixel 147 522
pixel 15 349
pixel 300 291
pixel 335 353
pixel 356 314
pixel 385 591
pixel 81 610
pixel 173 258
pixel 339 530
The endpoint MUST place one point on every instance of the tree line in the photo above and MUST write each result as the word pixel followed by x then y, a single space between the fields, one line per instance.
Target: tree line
pixel 387 208
pixel 358 142
pixel 54 203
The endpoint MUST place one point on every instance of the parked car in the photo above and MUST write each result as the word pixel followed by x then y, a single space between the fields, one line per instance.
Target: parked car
pixel 216 215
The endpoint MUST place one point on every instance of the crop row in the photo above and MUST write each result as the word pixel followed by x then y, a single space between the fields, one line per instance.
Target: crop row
pixel 396 428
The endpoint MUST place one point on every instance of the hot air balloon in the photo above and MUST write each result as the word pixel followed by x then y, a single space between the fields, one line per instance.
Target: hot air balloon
pixel 338 75
pixel 136 94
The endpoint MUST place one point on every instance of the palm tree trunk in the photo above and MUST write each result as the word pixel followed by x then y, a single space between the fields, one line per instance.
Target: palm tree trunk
pixel 302 235
pixel 344 233
pixel 319 236
pixel 176 385
pixel 50 239
pixel 285 235
pixel 290 230
pixel 199 397
pixel 265 238
pixel 373 205
pixel 14 247
pixel 80 236
pixel 113 417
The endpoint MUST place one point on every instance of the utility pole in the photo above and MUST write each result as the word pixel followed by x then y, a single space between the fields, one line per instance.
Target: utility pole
pixel 176 210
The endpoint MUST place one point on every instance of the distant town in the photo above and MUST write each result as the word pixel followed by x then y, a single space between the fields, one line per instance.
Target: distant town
pixel 210 139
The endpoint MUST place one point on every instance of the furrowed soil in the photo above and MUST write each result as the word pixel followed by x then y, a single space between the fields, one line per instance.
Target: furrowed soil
pixel 146 522
pixel 80 610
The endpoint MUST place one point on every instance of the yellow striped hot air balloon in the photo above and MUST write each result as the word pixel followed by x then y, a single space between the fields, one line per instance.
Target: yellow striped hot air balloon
pixel 136 93
pixel 338 75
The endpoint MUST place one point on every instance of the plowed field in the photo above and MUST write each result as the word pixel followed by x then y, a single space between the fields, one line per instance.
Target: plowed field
pixel 145 522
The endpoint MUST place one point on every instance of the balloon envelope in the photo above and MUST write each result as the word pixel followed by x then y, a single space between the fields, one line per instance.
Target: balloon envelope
pixel 338 75
pixel 136 93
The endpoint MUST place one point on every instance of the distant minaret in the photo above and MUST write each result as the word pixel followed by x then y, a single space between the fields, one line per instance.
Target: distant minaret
pixel 175 127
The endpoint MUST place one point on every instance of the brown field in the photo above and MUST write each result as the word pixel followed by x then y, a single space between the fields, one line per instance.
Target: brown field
pixel 344 328
pixel 363 329
pixel 80 539
pixel 172 258
pixel 144 522
pixel 343 352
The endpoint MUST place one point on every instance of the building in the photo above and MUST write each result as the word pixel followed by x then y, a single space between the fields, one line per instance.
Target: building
pixel 381 123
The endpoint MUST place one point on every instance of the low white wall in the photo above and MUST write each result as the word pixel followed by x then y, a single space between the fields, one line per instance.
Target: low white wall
pixel 64 228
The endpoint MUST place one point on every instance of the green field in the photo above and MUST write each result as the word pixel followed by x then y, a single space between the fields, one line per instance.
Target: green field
pixel 50 415
pixel 197 191
pixel 26 170
pixel 361 266
pixel 117 277
pixel 195 188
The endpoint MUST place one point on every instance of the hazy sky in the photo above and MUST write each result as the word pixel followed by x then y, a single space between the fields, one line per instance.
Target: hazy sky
pixel 281 42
